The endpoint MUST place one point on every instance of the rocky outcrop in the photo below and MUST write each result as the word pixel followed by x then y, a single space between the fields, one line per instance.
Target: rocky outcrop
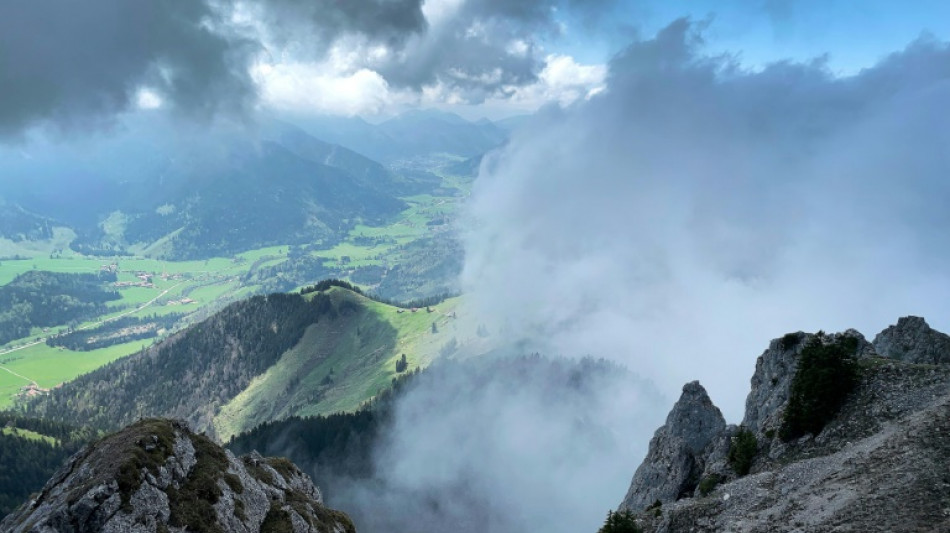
pixel 912 340
pixel 881 466
pixel 774 371
pixel 878 465
pixel 772 381
pixel 677 451
pixel 157 476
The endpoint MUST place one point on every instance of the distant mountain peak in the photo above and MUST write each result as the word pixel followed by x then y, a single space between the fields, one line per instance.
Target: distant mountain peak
pixel 429 114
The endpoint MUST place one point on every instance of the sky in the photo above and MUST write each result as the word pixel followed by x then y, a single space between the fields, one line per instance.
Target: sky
pixel 727 114
pixel 66 65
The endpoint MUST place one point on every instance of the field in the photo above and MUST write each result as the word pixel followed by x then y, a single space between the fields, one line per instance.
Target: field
pixel 197 288
pixel 47 367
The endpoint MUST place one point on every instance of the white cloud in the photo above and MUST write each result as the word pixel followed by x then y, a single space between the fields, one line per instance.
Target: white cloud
pixel 562 81
pixel 146 98
pixel 339 85
pixel 694 210
pixel 314 88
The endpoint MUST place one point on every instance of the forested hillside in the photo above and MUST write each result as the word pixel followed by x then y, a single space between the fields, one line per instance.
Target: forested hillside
pixel 289 200
pixel 17 224
pixel 215 196
pixel 37 299
pixel 261 359
pixel 193 372
pixel 31 450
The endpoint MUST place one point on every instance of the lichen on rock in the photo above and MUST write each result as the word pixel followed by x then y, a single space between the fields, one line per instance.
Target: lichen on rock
pixel 157 476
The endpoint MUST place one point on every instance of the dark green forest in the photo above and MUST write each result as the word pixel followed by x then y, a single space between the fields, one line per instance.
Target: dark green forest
pixel 121 330
pixel 826 375
pixel 38 299
pixel 26 464
pixel 18 225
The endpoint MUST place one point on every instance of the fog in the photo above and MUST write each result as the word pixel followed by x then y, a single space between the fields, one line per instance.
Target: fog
pixel 509 445
pixel 674 223
pixel 696 209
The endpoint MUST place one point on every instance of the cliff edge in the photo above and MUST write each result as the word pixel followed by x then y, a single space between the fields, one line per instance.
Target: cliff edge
pixel 839 434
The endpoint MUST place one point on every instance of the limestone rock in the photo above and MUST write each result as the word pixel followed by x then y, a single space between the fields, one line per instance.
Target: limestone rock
pixel 157 476
pixel 772 382
pixel 676 456
pixel 883 470
pixel 914 341
pixel 879 465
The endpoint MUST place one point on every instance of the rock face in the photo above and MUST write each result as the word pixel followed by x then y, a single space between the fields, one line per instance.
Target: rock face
pixel 772 382
pixel 878 466
pixel 912 340
pixel 677 451
pixel 157 476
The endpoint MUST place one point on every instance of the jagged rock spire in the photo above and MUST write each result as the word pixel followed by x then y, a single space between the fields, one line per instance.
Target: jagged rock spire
pixel 675 457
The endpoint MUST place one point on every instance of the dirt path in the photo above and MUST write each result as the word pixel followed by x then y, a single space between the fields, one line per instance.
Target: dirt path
pixel 15 374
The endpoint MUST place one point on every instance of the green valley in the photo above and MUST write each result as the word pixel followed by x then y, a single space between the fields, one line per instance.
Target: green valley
pixel 262 359
pixel 195 289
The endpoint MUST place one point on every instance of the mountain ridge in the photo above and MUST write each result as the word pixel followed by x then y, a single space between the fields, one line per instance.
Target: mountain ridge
pixel 884 439
pixel 257 360
pixel 158 476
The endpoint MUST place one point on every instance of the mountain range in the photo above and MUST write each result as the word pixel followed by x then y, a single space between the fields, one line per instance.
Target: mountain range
pixel 175 199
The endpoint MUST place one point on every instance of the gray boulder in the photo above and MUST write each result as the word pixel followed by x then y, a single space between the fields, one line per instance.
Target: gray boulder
pixel 912 340
pixel 677 452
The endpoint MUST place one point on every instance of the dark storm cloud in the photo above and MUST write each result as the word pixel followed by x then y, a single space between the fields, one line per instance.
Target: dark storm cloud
pixel 486 47
pixel 321 21
pixel 72 63
pixel 695 210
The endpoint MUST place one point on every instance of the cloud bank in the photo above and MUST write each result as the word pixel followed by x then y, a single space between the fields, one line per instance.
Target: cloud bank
pixel 694 210
pixel 508 446
pixel 75 65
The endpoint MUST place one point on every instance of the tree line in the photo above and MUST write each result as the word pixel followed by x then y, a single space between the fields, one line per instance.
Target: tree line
pixel 39 299
pixel 192 373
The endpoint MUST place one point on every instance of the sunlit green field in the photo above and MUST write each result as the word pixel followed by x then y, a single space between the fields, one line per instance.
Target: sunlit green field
pixel 49 366
pixel 188 287
pixel 27 434
pixel 339 364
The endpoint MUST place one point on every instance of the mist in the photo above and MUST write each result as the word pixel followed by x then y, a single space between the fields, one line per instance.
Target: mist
pixel 696 209
pixel 674 223
pixel 503 444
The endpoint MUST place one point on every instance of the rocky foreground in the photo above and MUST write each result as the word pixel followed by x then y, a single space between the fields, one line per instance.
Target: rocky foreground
pixel 157 476
pixel 881 463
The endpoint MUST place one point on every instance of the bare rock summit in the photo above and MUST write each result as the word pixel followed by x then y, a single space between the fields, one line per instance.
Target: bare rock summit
pixel 156 476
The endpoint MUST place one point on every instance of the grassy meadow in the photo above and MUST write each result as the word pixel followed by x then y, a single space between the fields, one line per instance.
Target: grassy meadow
pixel 197 288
